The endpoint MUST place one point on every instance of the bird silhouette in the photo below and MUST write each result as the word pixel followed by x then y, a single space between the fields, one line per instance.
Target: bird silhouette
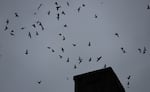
pixel 117 34
pixel 12 33
pixel 58 7
pixel 65 25
pixel 39 82
pixel 7 22
pixel 53 50
pixel 74 44
pixel 129 77
pixel 67 60
pixel 89 44
pixel 22 28
pixel 90 59
pixel 139 50
pixel 6 28
pixel 64 38
pixel 37 33
pixel 58 16
pixel 83 5
pixel 99 58
pixel 26 52
pixel 60 34
pixel 49 12
pixel 33 25
pixel 144 50
pixel 105 66
pixel 49 47
pixel 29 34
pixel 39 6
pixel 63 13
pixel 68 4
pixel 80 60
pixel 95 16
pixel 123 50
pixel 60 56
pixel 16 14
pixel 40 24
pixel 79 8
pixel 56 3
pixel 128 83
pixel 148 7
pixel 75 67
pixel 62 49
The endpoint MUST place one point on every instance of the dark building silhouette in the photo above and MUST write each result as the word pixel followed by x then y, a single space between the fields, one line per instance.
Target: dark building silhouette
pixel 104 80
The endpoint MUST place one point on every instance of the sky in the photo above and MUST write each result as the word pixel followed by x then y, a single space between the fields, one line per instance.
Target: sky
pixel 97 22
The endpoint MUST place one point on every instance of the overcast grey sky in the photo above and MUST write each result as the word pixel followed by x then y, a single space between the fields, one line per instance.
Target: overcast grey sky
pixel 20 72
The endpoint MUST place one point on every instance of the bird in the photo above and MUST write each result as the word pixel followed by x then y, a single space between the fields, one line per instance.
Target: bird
pixel 128 83
pixel 29 34
pixel 37 33
pixel 40 24
pixel 95 16
pixel 53 50
pixel 75 67
pixel 49 47
pixel 7 21
pixel 98 59
pixel 33 25
pixel 49 12
pixel 16 14
pixel 65 25
pixel 80 60
pixel 79 8
pixel 90 59
pixel 117 34
pixel 63 13
pixel 22 28
pixel 144 50
pixel 39 6
pixel 89 44
pixel 74 44
pixel 26 52
pixel 67 78
pixel 56 3
pixel 39 82
pixel 6 28
pixel 62 49
pixel 58 16
pixel 148 7
pixel 139 49
pixel 68 59
pixel 129 77
pixel 60 34
pixel 60 56
pixel 64 38
pixel 123 50
pixel 58 7
pixel 83 5
pixel 12 33
pixel 68 4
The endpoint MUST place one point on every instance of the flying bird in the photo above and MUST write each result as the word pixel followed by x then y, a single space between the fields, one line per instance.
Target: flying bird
pixel 144 50
pixel 58 16
pixel 74 44
pixel 83 5
pixel 22 28
pixel 56 3
pixel 64 38
pixel 148 7
pixel 39 6
pixel 58 7
pixel 75 67
pixel 63 13
pixel 129 77
pixel 33 25
pixel 26 52
pixel 16 14
pixel 116 34
pixel 79 8
pixel 89 44
pixel 95 16
pixel 60 56
pixel 53 50
pixel 49 47
pixel 6 28
pixel 105 66
pixel 40 24
pixel 49 12
pixel 99 58
pixel 90 59
pixel 39 82
pixel 68 4
pixel 123 50
pixel 12 33
pixel 80 60
pixel 7 21
pixel 29 34
pixel 37 33
pixel 65 25
pixel 60 34
pixel 67 60
pixel 139 50
pixel 62 49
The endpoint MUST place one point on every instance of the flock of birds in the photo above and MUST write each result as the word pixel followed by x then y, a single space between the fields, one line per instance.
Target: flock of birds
pixel 58 16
